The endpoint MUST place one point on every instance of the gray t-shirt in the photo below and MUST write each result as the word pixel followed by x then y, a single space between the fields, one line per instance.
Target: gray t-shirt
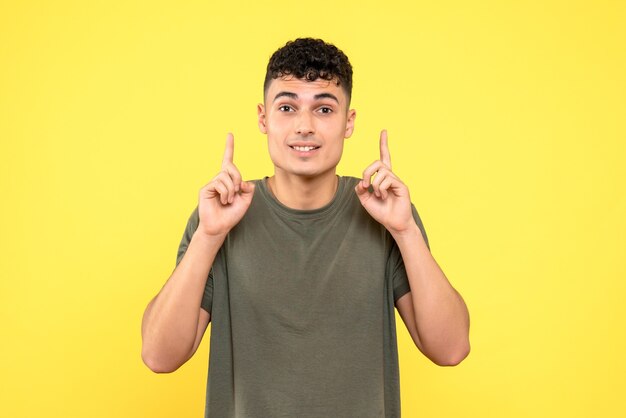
pixel 302 311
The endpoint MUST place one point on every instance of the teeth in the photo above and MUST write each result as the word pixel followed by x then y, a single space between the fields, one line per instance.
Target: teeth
pixel 303 148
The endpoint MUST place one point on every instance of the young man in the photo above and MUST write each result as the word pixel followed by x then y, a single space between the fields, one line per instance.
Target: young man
pixel 300 271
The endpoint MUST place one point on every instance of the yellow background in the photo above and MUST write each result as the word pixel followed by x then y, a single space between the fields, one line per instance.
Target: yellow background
pixel 506 120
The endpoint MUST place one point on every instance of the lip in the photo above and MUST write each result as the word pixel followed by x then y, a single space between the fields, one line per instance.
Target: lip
pixel 309 143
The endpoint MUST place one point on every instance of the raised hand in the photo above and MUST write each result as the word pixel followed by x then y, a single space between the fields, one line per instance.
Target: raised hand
pixel 225 199
pixel 389 202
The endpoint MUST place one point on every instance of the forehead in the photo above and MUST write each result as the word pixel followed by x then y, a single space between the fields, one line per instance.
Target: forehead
pixel 304 89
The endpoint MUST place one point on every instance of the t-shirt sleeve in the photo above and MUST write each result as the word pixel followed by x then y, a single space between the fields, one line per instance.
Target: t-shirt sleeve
pixel 399 278
pixel 192 225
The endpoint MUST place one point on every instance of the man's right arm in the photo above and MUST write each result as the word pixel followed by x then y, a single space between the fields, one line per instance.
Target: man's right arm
pixel 173 323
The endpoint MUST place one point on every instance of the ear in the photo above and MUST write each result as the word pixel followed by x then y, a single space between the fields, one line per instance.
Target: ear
pixel 260 109
pixel 350 123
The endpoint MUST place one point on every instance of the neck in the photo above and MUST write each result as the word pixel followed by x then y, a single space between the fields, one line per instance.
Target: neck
pixel 303 193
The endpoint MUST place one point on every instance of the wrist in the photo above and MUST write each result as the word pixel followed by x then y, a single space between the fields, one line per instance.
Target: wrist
pixel 208 239
pixel 409 232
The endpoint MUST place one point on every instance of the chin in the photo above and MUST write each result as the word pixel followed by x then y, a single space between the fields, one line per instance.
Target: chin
pixel 305 172
pixel 304 169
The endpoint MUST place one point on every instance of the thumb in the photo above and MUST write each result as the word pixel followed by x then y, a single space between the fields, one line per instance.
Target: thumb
pixel 359 189
pixel 247 187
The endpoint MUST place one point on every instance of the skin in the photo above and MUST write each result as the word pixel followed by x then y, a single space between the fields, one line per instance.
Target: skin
pixel 433 311
pixel 299 113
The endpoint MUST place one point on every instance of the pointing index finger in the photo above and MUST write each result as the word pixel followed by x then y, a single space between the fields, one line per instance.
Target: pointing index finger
pixel 230 149
pixel 385 157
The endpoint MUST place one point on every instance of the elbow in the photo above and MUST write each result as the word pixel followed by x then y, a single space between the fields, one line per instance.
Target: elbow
pixel 454 358
pixel 157 364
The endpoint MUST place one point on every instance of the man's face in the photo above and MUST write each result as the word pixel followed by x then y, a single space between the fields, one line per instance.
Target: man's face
pixel 306 123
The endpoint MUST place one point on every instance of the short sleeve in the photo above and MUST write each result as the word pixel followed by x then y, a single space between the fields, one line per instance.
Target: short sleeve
pixel 192 225
pixel 398 271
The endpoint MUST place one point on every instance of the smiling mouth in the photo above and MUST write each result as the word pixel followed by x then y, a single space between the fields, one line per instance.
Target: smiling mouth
pixel 303 149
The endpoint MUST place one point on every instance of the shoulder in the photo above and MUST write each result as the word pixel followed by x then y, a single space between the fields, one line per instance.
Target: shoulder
pixel 347 185
pixel 349 180
pixel 352 208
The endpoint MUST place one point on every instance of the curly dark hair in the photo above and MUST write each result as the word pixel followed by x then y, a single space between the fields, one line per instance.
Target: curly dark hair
pixel 310 59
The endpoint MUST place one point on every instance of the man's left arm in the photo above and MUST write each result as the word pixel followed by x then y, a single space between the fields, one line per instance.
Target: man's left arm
pixel 433 311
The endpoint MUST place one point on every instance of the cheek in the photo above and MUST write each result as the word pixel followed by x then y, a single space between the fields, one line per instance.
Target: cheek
pixel 275 151
pixel 337 151
pixel 338 130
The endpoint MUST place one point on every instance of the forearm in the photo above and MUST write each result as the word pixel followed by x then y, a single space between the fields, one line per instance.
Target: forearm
pixel 441 315
pixel 170 322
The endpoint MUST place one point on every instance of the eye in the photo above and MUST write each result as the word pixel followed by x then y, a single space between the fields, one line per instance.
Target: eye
pixel 326 110
pixel 285 108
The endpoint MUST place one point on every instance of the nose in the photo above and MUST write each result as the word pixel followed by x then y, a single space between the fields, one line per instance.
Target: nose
pixel 304 124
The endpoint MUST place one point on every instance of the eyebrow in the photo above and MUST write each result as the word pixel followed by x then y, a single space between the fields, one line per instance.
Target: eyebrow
pixel 316 97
